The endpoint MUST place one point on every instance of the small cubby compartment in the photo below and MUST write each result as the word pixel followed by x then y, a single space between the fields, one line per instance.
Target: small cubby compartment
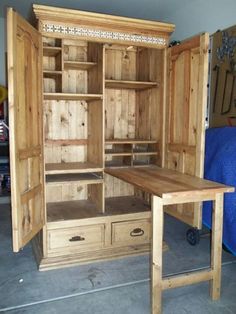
pixel 130 152
pixel 123 198
pixel 74 196
pixel 82 67
pixel 52 65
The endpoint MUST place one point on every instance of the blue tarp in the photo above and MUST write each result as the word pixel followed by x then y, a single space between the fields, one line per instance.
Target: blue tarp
pixel 220 166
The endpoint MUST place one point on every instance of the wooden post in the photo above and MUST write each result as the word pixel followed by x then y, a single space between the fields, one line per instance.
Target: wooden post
pixel 216 245
pixel 156 269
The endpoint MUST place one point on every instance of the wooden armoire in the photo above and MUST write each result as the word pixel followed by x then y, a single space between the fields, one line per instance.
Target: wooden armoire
pixel 89 91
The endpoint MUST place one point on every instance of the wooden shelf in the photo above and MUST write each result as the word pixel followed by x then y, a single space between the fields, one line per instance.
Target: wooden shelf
pixel 49 73
pixel 77 65
pixel 61 211
pixel 120 84
pixel 70 96
pixel 139 153
pixel 130 141
pixel 51 51
pixel 82 178
pixel 71 167
pixel 82 209
pixel 110 152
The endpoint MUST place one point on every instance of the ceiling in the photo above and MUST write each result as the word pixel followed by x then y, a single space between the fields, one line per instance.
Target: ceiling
pixel 146 9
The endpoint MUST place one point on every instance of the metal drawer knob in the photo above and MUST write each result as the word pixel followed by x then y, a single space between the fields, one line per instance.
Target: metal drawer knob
pixel 137 232
pixel 76 238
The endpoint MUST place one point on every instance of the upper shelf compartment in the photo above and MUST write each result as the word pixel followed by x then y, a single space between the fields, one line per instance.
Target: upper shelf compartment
pixel 123 84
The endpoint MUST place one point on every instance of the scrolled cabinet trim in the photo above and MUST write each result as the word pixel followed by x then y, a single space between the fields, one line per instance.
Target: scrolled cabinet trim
pixel 95 33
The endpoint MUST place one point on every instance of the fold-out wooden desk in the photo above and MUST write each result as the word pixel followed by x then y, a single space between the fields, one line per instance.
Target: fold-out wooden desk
pixel 171 187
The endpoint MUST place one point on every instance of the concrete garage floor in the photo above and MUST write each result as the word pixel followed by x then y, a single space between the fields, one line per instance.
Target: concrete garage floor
pixel 119 286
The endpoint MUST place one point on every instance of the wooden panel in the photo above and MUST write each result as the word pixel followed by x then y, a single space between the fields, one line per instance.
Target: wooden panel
pixel 131 232
pixel 65 120
pixel 95 75
pixel 95 133
pixel 66 192
pixel 223 80
pixel 64 241
pixel 115 187
pixel 25 120
pixel 120 63
pixel 185 116
pixel 120 114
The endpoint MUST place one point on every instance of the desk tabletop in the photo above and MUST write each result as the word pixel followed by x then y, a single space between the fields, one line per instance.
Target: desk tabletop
pixel 166 183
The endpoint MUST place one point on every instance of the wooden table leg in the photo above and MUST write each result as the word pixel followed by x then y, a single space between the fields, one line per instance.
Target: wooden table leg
pixel 156 268
pixel 216 246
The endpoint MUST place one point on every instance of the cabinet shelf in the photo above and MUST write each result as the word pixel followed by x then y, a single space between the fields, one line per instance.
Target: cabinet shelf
pixel 70 96
pixel 111 152
pixel 51 51
pixel 138 153
pixel 138 85
pixel 49 73
pixel 71 167
pixel 78 65
pixel 83 178
pixel 82 209
pixel 130 141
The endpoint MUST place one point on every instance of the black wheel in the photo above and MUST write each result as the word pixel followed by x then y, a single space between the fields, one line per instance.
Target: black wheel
pixel 193 236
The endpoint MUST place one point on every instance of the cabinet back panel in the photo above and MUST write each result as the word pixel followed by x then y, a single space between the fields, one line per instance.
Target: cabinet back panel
pixel 74 50
pixel 65 120
pixel 74 81
pixel 120 63
pixel 66 192
pixel 115 187
pixel 120 113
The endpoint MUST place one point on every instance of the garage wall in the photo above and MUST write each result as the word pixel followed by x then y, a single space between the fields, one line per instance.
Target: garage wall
pixel 200 16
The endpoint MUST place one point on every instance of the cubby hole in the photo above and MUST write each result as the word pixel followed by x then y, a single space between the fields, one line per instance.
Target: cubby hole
pixel 73 136
pixel 74 200
pixel 124 198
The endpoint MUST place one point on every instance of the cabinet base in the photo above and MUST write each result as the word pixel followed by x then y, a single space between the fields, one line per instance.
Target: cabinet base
pixel 47 263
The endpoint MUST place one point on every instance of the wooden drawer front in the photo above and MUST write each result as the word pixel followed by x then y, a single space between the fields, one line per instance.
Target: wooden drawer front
pixel 82 238
pixel 131 232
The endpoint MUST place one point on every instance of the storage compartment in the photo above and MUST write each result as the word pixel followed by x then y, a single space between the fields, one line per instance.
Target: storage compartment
pixel 81 238
pixel 133 100
pixel 131 232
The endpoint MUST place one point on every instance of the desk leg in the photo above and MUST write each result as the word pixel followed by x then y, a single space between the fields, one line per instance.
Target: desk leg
pixel 156 268
pixel 216 246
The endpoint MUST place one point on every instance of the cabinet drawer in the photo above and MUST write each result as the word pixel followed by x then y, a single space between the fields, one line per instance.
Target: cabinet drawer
pixel 83 238
pixel 131 232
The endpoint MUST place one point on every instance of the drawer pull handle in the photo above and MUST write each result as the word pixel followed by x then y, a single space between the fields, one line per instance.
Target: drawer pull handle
pixel 137 232
pixel 76 238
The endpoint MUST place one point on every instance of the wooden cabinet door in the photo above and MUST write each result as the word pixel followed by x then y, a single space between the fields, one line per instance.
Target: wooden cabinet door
pixel 187 73
pixel 25 124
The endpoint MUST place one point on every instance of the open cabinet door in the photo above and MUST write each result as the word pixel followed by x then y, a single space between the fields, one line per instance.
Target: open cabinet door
pixel 25 125
pixel 185 116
